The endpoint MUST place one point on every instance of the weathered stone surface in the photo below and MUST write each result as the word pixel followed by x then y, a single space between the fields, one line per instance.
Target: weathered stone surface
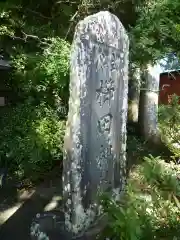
pixel 149 103
pixel 95 139
pixel 49 226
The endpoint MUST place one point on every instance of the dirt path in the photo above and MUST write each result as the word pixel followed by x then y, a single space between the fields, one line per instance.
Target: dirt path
pixel 16 214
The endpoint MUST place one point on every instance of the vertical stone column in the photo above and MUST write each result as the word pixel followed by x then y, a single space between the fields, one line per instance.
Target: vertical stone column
pixel 95 139
pixel 148 113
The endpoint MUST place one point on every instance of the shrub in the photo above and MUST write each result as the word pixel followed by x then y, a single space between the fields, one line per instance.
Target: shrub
pixel 31 140
pixel 169 119
pixel 44 75
pixel 32 132
pixel 150 207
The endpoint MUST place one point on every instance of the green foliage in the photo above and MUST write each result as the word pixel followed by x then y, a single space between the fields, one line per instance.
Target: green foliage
pixel 123 220
pixel 32 136
pixel 150 207
pixel 43 75
pixel 169 119
pixel 156 32
pixel 31 140
pixel 33 129
pixel 153 26
pixel 161 174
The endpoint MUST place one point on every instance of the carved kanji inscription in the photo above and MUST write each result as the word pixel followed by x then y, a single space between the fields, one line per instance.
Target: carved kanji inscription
pixel 104 156
pixel 104 124
pixel 106 92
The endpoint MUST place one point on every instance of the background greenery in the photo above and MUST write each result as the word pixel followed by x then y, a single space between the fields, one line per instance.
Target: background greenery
pixel 36 37
pixel 150 207
pixel 33 128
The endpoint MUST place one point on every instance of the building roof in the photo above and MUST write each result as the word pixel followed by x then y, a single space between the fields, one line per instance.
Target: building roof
pixel 4 64
pixel 171 73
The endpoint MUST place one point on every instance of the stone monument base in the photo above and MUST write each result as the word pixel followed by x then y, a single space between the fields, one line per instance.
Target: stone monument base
pixel 50 226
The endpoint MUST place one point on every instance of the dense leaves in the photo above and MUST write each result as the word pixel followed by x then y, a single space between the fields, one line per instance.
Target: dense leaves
pixel 31 140
pixel 156 32
pixel 33 128
pixel 169 118
pixel 43 75
pixel 150 208
pixel 36 37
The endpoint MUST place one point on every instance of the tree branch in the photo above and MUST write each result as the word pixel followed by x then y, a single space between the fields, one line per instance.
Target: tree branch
pixel 71 23
pixel 29 36
pixel 26 36
pixel 38 13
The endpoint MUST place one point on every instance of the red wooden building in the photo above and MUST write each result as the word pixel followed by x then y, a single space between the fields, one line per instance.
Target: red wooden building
pixel 169 85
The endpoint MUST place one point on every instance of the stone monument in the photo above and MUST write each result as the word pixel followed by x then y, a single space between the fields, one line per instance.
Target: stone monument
pixel 95 139
pixel 148 106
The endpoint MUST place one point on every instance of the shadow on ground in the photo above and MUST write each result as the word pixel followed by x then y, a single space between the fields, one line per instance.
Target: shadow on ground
pixel 44 198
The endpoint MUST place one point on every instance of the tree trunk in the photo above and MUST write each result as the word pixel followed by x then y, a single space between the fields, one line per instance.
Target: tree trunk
pixel 148 105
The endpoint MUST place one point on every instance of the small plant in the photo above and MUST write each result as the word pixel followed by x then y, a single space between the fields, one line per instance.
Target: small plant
pixel 150 207
pixel 169 125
